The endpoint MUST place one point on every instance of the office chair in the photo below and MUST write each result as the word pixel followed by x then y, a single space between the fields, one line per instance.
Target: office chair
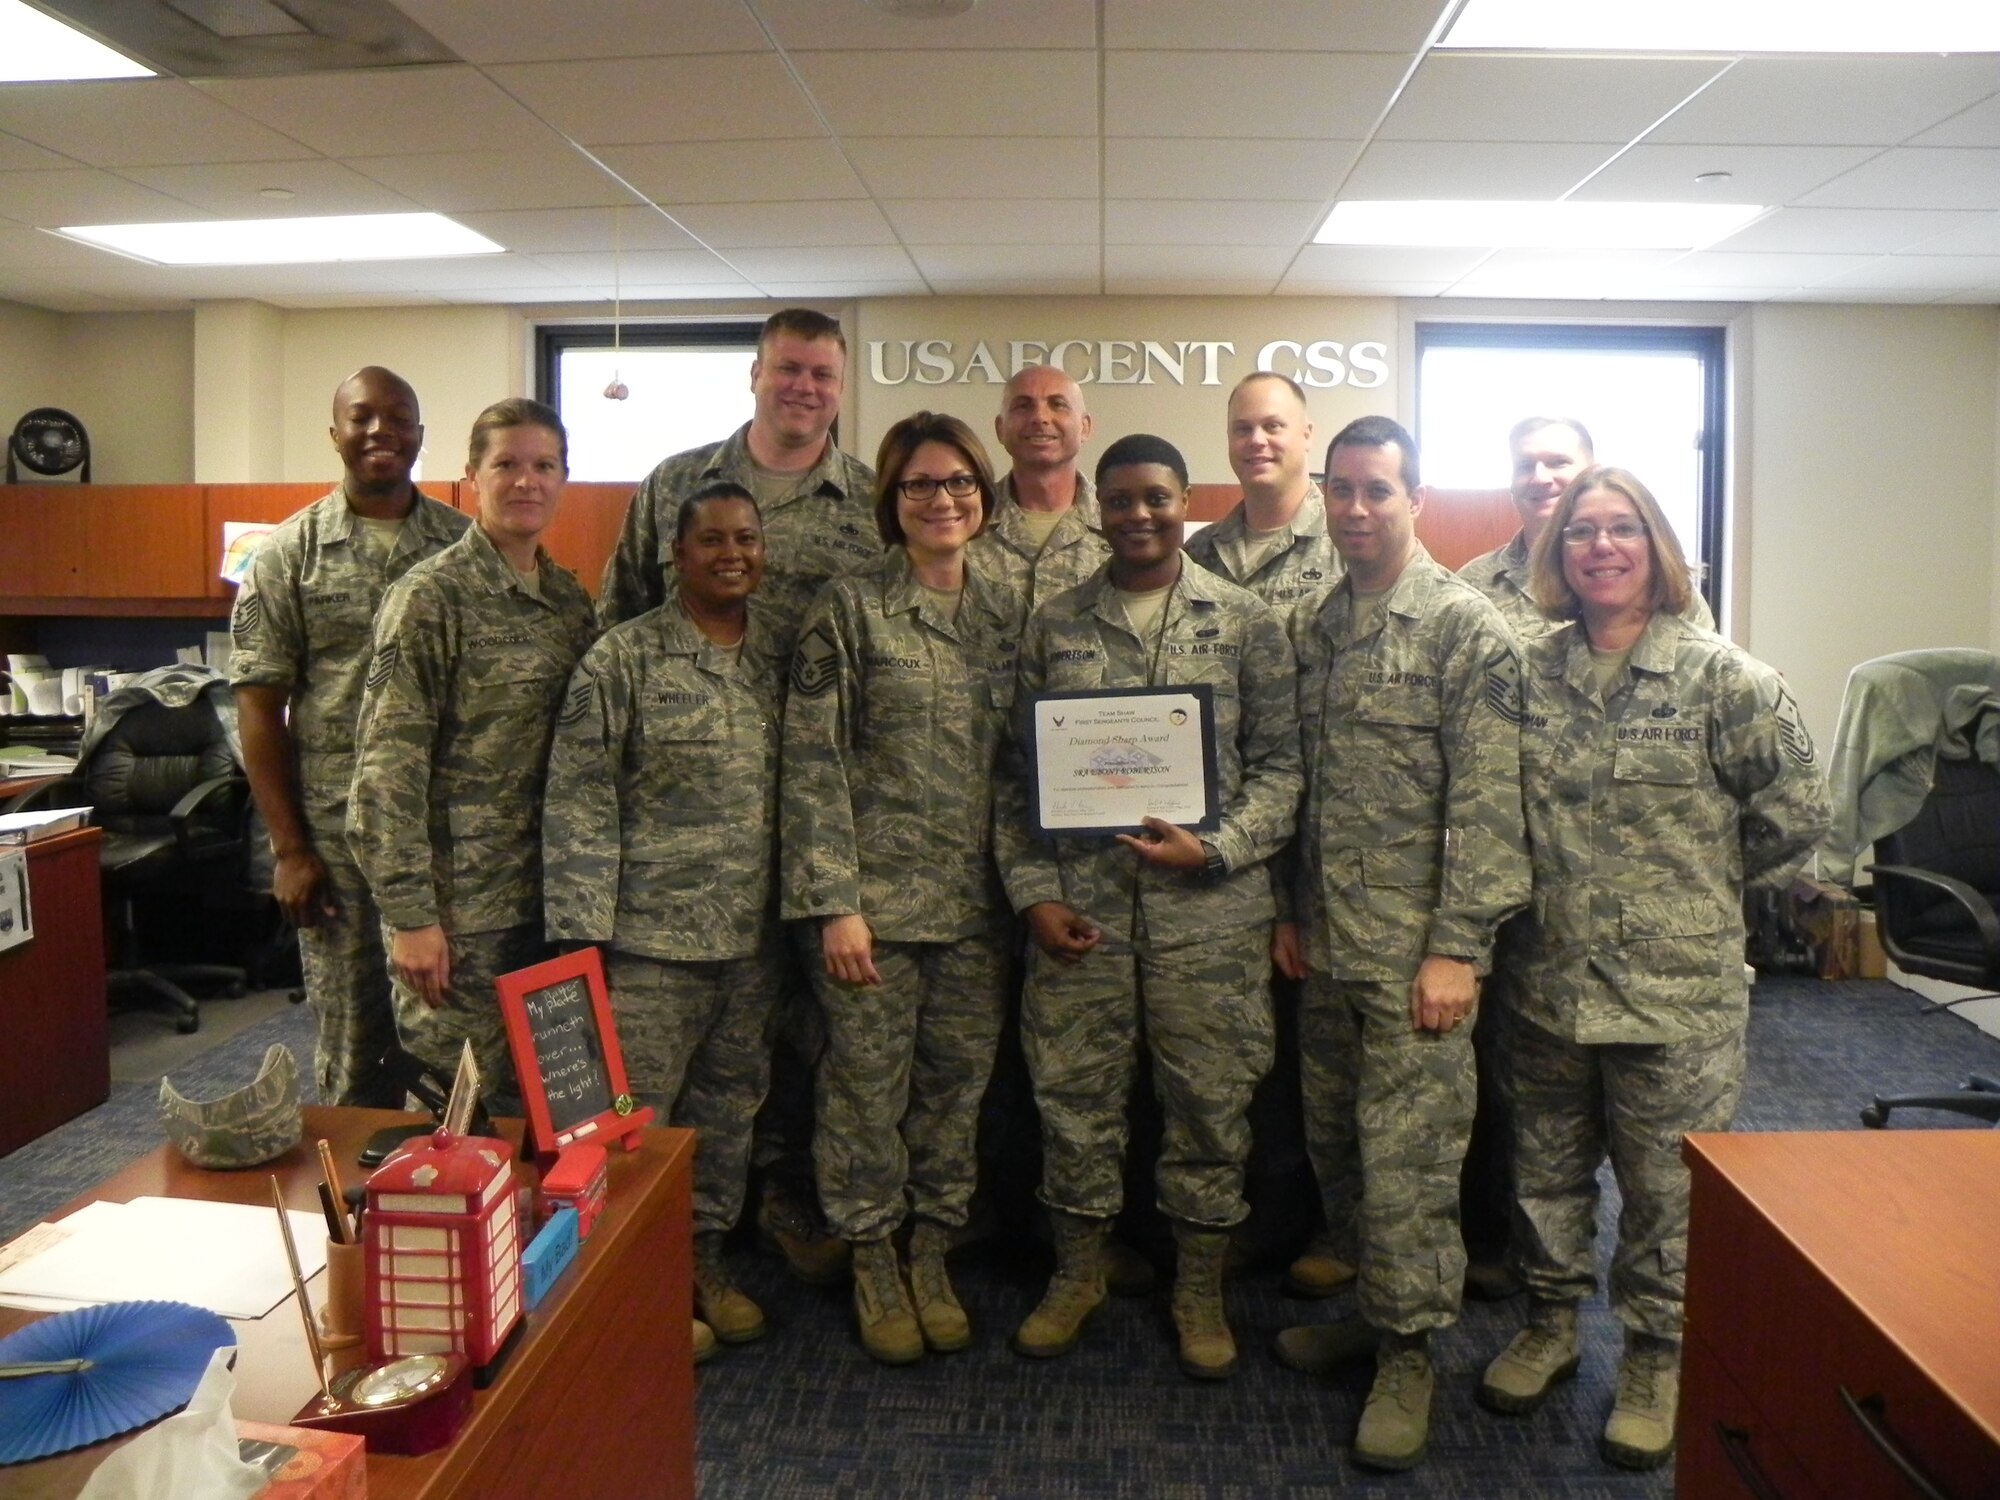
pixel 164 786
pixel 1934 901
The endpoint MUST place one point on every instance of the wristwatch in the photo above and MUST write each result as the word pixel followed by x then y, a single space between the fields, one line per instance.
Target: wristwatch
pixel 1214 867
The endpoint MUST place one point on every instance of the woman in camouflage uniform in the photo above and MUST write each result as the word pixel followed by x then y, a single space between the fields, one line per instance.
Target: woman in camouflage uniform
pixel 898 700
pixel 1662 767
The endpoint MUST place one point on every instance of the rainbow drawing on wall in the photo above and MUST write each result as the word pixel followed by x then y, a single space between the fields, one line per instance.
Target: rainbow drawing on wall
pixel 240 541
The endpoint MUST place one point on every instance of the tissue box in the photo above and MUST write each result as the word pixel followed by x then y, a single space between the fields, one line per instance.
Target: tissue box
pixel 327 1466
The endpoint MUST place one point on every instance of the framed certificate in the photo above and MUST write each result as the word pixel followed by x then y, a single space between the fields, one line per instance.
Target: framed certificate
pixel 1106 759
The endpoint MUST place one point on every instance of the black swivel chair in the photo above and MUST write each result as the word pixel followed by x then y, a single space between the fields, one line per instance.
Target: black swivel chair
pixel 164 786
pixel 1935 895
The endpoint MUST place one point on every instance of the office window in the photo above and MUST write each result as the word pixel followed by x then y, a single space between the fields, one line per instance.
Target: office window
pixel 689 384
pixel 1651 397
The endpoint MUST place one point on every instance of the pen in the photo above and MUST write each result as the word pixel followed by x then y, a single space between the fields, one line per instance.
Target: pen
pixel 343 1234
pixel 333 1218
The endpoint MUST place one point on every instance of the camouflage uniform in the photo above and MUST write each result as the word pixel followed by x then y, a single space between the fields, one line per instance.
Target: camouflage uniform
pixel 1648 813
pixel 301 622
pixel 445 812
pixel 659 839
pixel 1296 580
pixel 825 528
pixel 1183 956
pixel 1411 844
pixel 1502 576
pixel 894 721
pixel 1004 554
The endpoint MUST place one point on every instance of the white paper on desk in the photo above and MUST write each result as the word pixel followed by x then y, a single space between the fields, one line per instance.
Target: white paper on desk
pixel 226 1257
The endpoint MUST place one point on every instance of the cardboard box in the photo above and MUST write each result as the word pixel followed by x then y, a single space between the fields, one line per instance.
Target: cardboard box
pixel 1829 918
pixel 327 1465
pixel 1872 963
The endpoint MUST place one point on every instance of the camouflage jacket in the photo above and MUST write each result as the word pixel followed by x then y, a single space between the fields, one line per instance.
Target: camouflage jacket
pixel 1646 815
pixel 660 831
pixel 824 528
pixel 1005 556
pixel 892 726
pixel 302 622
pixel 445 814
pixel 1502 576
pixel 1211 632
pixel 1411 843
pixel 1295 581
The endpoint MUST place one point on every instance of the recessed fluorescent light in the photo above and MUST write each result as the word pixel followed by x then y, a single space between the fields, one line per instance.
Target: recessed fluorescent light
pixel 1565 225
pixel 37 48
pixel 1728 26
pixel 286 242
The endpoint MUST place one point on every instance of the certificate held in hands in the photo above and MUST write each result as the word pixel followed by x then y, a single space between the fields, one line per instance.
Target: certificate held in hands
pixel 1105 760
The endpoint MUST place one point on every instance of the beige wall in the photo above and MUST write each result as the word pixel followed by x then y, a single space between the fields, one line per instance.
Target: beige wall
pixel 1188 412
pixel 32 363
pixel 125 376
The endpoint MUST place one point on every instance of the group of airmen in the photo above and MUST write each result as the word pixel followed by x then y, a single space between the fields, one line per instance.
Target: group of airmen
pixel 1483 841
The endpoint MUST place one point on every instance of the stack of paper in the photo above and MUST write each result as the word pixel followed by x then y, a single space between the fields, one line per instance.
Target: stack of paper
pixel 26 827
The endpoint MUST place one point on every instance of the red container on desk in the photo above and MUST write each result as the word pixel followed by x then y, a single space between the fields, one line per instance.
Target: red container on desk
pixel 327 1466
pixel 577 1181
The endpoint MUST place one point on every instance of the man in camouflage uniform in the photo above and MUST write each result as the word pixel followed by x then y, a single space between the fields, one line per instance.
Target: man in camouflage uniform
pixel 300 632
pixel 659 840
pixel 1411 851
pixel 818 524
pixel 1167 933
pixel 472 652
pixel 1044 535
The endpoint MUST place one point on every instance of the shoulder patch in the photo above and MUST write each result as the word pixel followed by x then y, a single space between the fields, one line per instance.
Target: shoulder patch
pixel 385 663
pixel 576 705
pixel 815 663
pixel 249 610
pixel 1792 733
pixel 1503 686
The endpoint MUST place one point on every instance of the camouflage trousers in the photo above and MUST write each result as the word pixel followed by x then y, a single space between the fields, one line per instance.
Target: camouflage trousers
pixel 345 961
pixel 1410 1097
pixel 899 1085
pixel 1574 1103
pixel 1329 1062
pixel 697 1048
pixel 471 1010
pixel 1205 1012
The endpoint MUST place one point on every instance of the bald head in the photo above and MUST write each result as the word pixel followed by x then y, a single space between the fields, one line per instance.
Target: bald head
pixel 1042 422
pixel 378 432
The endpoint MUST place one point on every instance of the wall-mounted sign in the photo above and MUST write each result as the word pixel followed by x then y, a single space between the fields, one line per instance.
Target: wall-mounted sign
pixel 1320 363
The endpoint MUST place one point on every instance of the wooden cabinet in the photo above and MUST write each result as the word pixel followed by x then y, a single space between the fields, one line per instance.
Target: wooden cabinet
pixel 57 1060
pixel 70 544
pixel 267 504
pixel 586 527
pixel 1843 1313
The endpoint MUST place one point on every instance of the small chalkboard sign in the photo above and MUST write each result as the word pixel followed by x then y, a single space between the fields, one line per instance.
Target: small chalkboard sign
pixel 565 1047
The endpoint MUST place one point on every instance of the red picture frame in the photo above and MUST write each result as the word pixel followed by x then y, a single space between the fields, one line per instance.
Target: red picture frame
pixel 566 1055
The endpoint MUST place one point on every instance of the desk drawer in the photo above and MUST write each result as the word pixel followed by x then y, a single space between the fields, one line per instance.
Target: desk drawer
pixel 1725 1449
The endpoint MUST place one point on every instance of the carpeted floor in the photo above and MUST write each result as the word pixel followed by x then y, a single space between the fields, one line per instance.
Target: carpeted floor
pixel 804 1415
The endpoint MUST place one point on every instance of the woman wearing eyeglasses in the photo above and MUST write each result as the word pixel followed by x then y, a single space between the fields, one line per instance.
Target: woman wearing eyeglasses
pixel 1661 768
pixel 899 695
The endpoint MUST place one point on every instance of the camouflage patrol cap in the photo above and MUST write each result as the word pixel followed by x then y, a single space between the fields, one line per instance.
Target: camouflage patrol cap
pixel 258 1122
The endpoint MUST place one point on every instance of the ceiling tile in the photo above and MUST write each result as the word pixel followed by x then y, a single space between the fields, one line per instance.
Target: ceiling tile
pixel 813 24
pixel 1959 234
pixel 1875 295
pixel 1234 262
pixel 1330 95
pixel 811 291
pixel 1290 171
pixel 17 155
pixel 970 167
pixel 310 301
pixel 81 196
pixel 1935 274
pixel 1307 286
pixel 1270 25
pixel 1383 263
pixel 134 122
pixel 826 263
pixel 534 230
pixel 680 290
pixel 235 190
pixel 1985 296
pixel 1766 175
pixel 380 111
pixel 560 30
pixel 850 221
pixel 1016 286
pixel 1009 221
pixel 1459 96
pixel 1012 93
pixel 1471 169
pixel 1721 268
pixel 32 250
pixel 1832 101
pixel 1187 286
pixel 1550 273
pixel 640 268
pixel 997 262
pixel 1179 221
pixel 1977 126
pixel 636 100
pixel 525 177
pixel 736 171
pixel 1916 177
pixel 1861 231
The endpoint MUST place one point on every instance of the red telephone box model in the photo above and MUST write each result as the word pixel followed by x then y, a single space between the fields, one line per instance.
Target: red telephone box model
pixel 444 1249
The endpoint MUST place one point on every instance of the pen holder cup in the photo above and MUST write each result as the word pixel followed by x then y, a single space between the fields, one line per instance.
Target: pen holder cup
pixel 341 1315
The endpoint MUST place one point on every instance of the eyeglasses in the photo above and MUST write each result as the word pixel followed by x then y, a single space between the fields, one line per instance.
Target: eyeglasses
pixel 1582 534
pixel 958 486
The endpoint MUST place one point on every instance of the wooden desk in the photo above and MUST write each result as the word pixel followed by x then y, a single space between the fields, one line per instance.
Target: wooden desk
pixel 56 1062
pixel 597 1399
pixel 1863 1261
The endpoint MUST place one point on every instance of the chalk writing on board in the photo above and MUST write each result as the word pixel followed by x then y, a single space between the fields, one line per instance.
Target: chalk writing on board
pixel 569 1052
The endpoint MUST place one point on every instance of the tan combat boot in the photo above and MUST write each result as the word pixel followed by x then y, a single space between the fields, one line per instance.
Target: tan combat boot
pixel 704 1342
pixel 1208 1349
pixel 1395 1426
pixel 1322 1348
pixel 1536 1360
pixel 789 1227
pixel 1640 1432
pixel 1318 1271
pixel 888 1324
pixel 946 1329
pixel 1075 1293
pixel 733 1316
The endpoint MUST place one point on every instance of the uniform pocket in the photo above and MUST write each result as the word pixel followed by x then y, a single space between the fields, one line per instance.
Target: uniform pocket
pixel 1659 765
pixel 1667 936
pixel 1399 867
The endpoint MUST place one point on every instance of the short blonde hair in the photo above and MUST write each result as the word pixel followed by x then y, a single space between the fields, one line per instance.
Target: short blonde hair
pixel 1672 586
